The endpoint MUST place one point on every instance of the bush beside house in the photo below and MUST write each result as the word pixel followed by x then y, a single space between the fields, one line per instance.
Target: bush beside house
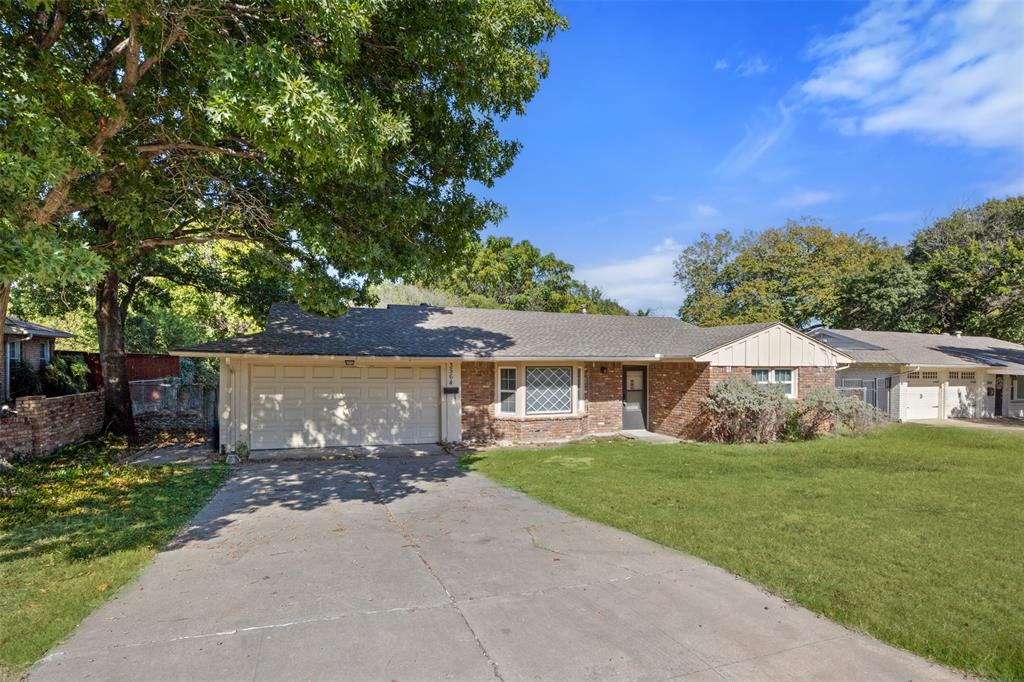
pixel 738 410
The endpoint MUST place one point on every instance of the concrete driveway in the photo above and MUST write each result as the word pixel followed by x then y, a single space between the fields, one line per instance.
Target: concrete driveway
pixel 407 568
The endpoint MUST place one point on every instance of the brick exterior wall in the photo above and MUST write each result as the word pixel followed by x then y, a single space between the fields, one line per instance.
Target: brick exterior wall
pixel 674 393
pixel 814 377
pixel 674 390
pixel 604 396
pixel 602 391
pixel 46 424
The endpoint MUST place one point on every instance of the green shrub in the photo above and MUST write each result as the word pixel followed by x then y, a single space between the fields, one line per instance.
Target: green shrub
pixel 24 380
pixel 64 376
pixel 824 406
pixel 738 410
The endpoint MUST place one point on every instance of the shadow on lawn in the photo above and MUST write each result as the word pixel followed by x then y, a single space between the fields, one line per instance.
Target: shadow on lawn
pixel 80 508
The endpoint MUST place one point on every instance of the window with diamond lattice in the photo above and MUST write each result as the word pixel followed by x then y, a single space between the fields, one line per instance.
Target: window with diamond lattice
pixel 548 389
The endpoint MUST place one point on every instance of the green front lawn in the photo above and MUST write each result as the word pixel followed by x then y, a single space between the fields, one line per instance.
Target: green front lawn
pixel 914 534
pixel 75 528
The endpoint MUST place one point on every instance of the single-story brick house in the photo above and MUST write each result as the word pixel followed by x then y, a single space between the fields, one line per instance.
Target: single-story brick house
pixel 419 374
pixel 931 376
pixel 28 343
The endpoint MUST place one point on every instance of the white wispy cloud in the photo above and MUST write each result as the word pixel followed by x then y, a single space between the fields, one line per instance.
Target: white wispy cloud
pixel 758 140
pixel 802 198
pixel 705 211
pixel 754 66
pixel 722 64
pixel 952 73
pixel 641 282
pixel 1005 188
pixel 896 217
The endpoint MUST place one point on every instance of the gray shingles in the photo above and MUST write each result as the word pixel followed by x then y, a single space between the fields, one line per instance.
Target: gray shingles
pixel 16 327
pixel 905 348
pixel 422 331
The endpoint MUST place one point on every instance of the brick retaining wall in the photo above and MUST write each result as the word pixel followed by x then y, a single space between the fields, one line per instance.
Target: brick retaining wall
pixel 46 424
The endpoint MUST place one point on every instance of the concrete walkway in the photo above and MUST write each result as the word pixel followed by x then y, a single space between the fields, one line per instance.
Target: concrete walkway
pixel 1008 424
pixel 407 568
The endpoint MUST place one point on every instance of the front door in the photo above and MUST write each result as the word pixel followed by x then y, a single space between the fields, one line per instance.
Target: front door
pixel 999 396
pixel 634 398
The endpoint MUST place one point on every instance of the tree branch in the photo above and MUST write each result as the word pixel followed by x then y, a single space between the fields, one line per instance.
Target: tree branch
pixel 60 17
pixel 159 147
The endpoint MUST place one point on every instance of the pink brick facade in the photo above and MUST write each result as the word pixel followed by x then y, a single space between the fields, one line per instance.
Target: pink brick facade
pixel 46 424
pixel 675 390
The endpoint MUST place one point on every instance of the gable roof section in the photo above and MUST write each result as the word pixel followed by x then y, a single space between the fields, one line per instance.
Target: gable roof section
pixel 934 350
pixel 16 327
pixel 437 332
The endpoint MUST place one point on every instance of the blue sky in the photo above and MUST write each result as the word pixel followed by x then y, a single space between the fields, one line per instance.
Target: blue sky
pixel 660 121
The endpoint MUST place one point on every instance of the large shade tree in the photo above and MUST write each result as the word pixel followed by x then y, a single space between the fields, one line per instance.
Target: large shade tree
pixel 973 263
pixel 341 135
pixel 796 274
pixel 519 276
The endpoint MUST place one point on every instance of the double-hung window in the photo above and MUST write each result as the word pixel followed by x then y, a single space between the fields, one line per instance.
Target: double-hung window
pixel 1017 384
pixel 13 351
pixel 777 376
pixel 507 381
pixel 549 390
pixel 44 352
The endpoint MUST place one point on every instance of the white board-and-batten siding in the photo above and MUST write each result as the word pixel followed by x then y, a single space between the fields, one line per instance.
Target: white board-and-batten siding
pixel 777 346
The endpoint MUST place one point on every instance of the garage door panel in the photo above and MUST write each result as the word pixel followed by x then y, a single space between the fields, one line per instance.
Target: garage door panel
pixel 923 399
pixel 352 406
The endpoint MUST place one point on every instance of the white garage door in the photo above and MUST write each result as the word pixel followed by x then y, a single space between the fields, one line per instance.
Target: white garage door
pixel 923 392
pixel 964 394
pixel 297 406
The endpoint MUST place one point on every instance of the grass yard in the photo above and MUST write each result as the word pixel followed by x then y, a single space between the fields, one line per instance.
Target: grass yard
pixel 914 534
pixel 73 529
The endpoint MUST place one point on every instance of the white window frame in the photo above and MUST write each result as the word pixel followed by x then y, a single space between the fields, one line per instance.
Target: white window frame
pixel 577 402
pixel 502 392
pixel 45 354
pixel 572 392
pixel 1016 383
pixel 16 347
pixel 791 393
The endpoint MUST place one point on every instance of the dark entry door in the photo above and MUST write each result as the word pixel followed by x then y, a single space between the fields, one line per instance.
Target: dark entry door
pixel 634 398
pixel 999 396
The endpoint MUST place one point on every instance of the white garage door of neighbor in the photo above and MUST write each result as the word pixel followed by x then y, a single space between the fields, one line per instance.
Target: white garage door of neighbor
pixel 964 395
pixel 923 398
pixel 296 406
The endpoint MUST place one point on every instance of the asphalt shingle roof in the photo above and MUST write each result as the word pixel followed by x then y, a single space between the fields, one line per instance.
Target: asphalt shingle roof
pixel 427 331
pixel 905 348
pixel 16 327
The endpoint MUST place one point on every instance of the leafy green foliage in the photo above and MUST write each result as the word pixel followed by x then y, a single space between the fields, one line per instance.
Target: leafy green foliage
pixel 824 406
pixel 738 410
pixel 64 376
pixel 340 136
pixel 909 533
pixel 794 274
pixel 973 262
pixel 74 528
pixel 24 380
pixel 963 273
pixel 516 275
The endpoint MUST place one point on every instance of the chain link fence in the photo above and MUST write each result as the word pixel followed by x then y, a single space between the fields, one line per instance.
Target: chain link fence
pixel 176 405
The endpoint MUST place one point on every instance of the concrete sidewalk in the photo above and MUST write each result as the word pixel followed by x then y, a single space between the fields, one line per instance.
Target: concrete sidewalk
pixel 408 568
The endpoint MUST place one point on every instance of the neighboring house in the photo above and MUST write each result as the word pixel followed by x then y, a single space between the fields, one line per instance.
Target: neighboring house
pixel 419 374
pixel 28 343
pixel 932 376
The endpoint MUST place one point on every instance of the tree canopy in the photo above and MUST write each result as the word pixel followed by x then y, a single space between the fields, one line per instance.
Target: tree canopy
pixel 795 274
pixel 341 136
pixel 963 273
pixel 517 275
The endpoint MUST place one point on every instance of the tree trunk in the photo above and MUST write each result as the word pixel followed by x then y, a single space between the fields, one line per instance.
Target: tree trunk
pixel 5 296
pixel 117 398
